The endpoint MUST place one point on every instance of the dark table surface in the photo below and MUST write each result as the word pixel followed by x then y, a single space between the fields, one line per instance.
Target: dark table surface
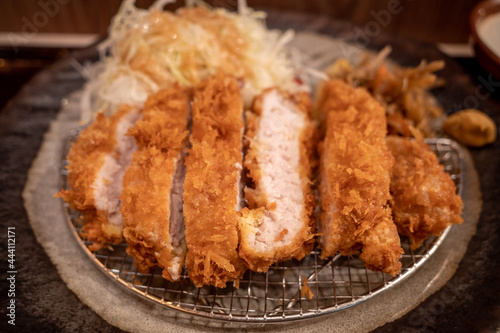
pixel 469 302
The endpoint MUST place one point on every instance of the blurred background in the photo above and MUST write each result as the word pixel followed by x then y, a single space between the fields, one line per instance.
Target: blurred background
pixel 33 34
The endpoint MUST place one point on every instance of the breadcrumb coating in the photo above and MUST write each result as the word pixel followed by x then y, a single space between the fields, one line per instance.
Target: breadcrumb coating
pixel 278 224
pixel 161 137
pixel 355 178
pixel 86 158
pixel 212 184
pixel 424 200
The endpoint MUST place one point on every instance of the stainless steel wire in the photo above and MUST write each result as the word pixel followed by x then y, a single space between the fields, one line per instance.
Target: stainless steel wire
pixel 275 296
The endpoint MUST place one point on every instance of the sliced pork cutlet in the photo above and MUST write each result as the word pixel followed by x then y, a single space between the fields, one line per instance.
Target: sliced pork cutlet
pixel 424 200
pixel 278 223
pixel 355 166
pixel 152 186
pixel 212 193
pixel 97 162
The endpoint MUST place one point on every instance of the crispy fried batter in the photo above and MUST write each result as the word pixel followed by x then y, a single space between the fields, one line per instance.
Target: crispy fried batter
pixel 402 91
pixel 278 225
pixel 424 201
pixel 86 159
pixel 355 166
pixel 146 198
pixel 211 187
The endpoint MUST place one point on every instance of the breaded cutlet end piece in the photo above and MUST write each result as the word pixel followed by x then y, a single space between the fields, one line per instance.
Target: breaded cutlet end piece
pixel 96 164
pixel 424 200
pixel 355 168
pixel 278 224
pixel 212 191
pixel 152 186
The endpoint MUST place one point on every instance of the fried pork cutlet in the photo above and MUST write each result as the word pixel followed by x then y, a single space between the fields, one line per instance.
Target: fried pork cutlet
pixel 97 162
pixel 152 186
pixel 278 223
pixel 212 194
pixel 424 199
pixel 355 177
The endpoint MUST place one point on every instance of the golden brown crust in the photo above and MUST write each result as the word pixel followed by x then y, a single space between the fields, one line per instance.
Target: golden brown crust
pixel 213 168
pixel 257 199
pixel 253 197
pixel 161 136
pixel 424 200
pixel 355 165
pixel 85 159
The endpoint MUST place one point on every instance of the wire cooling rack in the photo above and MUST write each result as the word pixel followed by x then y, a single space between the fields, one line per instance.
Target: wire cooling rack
pixel 275 296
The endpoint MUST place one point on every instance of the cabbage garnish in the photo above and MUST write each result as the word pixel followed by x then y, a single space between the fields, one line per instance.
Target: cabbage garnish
pixel 150 49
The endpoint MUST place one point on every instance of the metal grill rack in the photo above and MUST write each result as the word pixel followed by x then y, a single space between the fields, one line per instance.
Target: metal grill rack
pixel 275 296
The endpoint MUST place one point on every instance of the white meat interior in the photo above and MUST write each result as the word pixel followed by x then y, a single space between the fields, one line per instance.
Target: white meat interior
pixel 278 141
pixel 108 184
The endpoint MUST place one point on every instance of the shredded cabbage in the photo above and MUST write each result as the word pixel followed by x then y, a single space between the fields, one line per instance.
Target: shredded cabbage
pixel 150 49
